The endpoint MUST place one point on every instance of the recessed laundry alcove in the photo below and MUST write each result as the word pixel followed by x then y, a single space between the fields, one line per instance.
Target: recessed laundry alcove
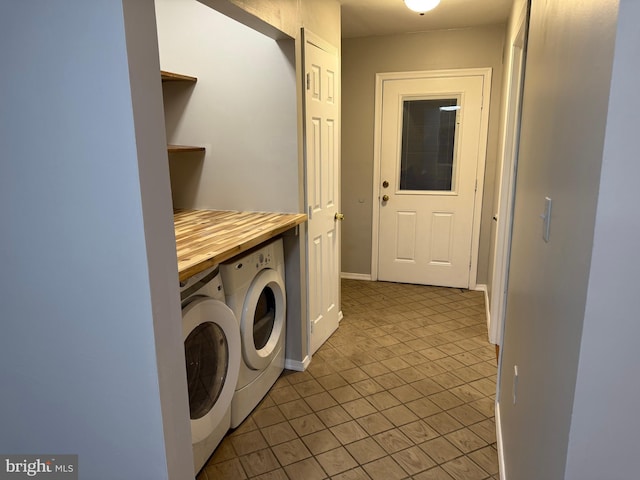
pixel 242 110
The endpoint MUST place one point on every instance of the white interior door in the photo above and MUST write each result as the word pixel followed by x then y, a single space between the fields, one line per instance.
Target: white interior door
pixel 432 140
pixel 322 168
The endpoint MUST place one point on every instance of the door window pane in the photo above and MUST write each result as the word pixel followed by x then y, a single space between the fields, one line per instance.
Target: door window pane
pixel 428 153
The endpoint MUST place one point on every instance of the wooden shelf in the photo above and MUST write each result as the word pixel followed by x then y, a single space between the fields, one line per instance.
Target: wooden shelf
pixel 184 148
pixel 176 77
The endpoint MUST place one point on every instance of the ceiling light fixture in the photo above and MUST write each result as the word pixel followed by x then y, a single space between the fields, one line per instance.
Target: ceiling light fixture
pixel 421 6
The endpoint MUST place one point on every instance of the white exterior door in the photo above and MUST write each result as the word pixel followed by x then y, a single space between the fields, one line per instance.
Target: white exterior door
pixel 322 169
pixel 432 139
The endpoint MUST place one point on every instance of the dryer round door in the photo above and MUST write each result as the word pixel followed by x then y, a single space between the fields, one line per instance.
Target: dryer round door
pixel 212 353
pixel 263 319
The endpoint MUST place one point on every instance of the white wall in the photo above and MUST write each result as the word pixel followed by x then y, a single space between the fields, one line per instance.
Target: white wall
pixel 603 442
pixel 80 370
pixel 242 109
pixel 362 58
pixel 146 93
pixel 566 91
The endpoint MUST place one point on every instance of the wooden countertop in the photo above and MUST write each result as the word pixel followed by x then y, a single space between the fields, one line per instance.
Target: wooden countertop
pixel 205 238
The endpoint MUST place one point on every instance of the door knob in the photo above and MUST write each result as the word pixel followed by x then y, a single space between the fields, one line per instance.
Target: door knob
pixel 339 216
pixel 385 198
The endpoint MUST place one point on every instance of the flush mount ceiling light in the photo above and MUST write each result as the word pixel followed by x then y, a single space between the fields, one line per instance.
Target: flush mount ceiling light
pixel 421 6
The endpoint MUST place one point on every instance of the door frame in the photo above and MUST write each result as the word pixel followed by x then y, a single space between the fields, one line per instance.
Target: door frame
pixel 507 182
pixel 482 155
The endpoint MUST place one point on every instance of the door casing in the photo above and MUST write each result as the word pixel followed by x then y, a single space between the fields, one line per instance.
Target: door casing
pixel 507 181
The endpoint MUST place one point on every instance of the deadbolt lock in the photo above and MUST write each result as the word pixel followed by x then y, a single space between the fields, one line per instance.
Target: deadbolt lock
pixel 385 184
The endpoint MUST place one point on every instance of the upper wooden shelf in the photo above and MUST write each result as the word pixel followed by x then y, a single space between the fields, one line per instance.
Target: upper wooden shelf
pixel 184 148
pixel 176 77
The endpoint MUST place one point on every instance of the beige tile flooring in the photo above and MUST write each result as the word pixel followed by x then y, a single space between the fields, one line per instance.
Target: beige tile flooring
pixel 404 389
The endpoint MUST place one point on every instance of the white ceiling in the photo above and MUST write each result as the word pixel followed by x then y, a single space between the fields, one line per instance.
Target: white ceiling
pixel 363 18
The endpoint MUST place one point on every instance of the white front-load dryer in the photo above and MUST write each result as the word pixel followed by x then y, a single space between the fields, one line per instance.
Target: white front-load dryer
pixel 212 353
pixel 255 292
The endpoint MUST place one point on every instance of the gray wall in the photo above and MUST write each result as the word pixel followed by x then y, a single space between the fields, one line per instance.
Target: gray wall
pixel 88 277
pixel 605 422
pixel 243 109
pixel 362 58
pixel 566 93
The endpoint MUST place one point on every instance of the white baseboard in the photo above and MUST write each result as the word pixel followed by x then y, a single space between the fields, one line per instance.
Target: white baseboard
pixel 500 446
pixel 487 308
pixel 356 276
pixel 297 365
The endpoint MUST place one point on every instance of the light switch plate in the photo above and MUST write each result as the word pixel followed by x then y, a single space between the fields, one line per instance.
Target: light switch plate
pixel 546 219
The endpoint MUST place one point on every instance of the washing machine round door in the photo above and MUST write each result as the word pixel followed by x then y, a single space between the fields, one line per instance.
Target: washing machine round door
pixel 212 353
pixel 263 319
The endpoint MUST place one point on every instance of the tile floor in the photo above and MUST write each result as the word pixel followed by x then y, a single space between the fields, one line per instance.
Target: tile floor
pixel 404 389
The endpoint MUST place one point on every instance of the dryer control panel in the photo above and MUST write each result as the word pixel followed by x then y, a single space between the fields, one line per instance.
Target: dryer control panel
pixel 255 261
pixel 244 268
pixel 263 259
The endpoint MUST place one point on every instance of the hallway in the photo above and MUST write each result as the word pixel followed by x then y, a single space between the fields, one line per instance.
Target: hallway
pixel 404 389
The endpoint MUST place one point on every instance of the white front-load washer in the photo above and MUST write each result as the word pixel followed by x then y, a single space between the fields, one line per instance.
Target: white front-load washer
pixel 255 291
pixel 212 353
